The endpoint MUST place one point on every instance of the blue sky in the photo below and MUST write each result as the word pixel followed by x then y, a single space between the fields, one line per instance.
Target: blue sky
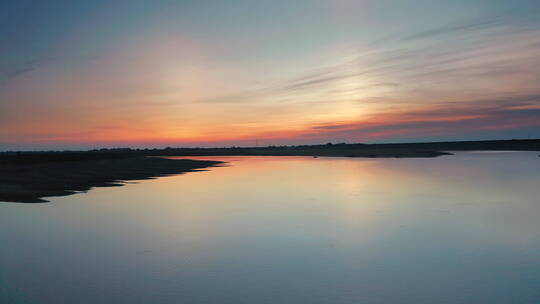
pixel 81 74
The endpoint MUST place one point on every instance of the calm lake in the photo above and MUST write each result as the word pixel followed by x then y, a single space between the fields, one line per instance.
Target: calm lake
pixel 453 229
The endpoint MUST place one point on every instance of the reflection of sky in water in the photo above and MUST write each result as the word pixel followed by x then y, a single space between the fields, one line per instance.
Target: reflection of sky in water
pixel 458 229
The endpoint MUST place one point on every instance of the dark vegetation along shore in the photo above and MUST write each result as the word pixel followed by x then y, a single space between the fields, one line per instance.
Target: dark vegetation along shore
pixel 30 176
pixel 431 149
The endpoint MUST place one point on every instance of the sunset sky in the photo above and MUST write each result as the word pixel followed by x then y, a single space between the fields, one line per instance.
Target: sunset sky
pixel 102 73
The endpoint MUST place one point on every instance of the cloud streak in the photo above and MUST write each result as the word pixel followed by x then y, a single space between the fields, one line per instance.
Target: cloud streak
pixel 177 83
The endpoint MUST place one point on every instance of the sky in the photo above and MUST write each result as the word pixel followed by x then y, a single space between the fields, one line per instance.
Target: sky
pixel 110 73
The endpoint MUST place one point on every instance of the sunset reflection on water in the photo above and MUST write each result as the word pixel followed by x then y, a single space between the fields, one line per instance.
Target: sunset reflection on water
pixel 453 229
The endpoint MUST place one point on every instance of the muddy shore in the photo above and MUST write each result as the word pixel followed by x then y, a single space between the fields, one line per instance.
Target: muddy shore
pixel 33 179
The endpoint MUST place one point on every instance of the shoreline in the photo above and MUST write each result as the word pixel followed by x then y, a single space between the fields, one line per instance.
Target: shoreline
pixel 31 181
pixel 29 177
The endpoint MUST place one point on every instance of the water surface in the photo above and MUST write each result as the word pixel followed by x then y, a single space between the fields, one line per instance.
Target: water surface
pixel 453 229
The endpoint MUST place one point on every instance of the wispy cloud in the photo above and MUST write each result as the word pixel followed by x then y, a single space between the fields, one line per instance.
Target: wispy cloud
pixel 439 120
pixel 173 82
pixel 477 76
